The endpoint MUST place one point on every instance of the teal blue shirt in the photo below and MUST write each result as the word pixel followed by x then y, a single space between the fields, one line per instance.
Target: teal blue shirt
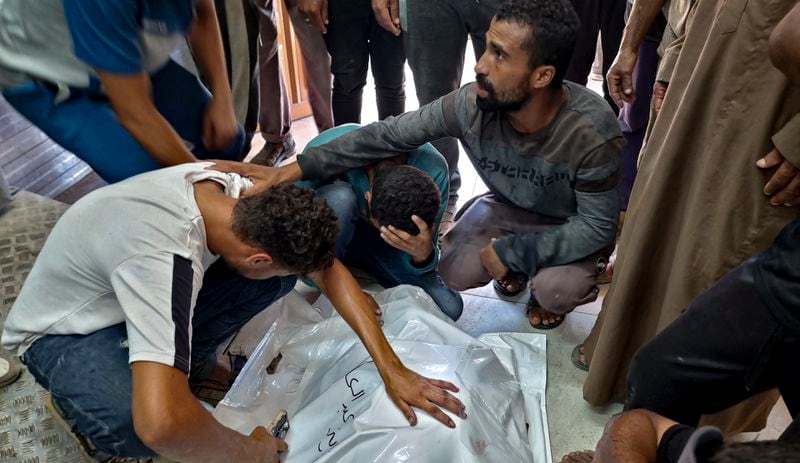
pixel 425 158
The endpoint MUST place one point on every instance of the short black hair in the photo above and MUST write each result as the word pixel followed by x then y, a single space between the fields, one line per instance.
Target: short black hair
pixel 553 28
pixel 400 191
pixel 294 225
pixel 751 452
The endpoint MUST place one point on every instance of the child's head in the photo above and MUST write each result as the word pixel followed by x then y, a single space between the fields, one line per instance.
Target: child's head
pixel 400 191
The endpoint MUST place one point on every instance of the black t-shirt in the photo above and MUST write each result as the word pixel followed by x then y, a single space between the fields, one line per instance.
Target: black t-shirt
pixel 777 276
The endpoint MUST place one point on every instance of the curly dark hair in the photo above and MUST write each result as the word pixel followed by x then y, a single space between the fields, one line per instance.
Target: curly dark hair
pixel 746 452
pixel 294 225
pixel 400 191
pixel 553 28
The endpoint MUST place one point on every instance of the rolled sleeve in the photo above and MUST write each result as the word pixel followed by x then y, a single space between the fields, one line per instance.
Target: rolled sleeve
pixel 787 140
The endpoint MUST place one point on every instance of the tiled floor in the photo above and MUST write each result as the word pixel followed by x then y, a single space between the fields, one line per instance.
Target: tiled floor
pixel 573 424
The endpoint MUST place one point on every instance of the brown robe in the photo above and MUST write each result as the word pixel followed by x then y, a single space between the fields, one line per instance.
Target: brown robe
pixel 697 208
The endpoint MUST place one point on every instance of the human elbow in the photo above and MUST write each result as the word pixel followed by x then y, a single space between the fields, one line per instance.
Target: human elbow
pixel 783 51
pixel 605 231
pixel 158 430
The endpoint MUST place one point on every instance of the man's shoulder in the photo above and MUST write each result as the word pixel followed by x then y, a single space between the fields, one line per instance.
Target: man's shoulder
pixel 429 160
pixel 591 113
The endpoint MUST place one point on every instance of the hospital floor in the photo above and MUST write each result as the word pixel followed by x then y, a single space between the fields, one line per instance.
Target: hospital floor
pixel 28 433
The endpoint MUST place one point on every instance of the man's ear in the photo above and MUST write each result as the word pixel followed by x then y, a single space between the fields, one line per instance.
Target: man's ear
pixel 259 258
pixel 542 76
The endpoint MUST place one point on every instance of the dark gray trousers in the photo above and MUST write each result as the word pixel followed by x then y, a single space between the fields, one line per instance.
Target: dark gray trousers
pixel 558 289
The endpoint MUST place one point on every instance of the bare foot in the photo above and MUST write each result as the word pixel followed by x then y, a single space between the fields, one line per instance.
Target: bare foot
pixel 585 456
pixel 543 317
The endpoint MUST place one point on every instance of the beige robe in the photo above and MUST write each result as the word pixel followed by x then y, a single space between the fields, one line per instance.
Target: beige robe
pixel 697 208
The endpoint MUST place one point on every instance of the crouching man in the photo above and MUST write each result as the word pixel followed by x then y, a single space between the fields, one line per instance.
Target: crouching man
pixel 140 282
pixel 389 215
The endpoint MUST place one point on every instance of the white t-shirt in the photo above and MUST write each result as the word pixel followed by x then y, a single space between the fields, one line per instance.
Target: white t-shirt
pixel 132 252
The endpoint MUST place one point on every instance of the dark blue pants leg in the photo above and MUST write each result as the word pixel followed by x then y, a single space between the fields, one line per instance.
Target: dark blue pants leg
pixel 227 301
pixel 341 198
pixel 89 376
pixel 90 381
pixel 86 125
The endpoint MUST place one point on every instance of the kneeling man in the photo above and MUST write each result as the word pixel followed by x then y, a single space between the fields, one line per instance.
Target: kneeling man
pixel 389 215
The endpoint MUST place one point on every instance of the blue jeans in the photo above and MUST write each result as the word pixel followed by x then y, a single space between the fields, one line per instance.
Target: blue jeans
pixel 86 125
pixel 360 244
pixel 89 377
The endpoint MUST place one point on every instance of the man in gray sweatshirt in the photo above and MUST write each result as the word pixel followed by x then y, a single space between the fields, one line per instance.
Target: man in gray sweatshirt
pixel 548 150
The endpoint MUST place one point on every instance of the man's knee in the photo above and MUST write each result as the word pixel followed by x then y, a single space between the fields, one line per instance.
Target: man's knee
pixel 456 275
pixel 641 377
pixel 341 198
pixel 560 290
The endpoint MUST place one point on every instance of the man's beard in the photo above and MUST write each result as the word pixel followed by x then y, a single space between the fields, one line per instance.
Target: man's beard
pixel 492 103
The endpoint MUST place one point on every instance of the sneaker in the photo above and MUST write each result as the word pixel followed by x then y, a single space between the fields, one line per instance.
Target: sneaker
pixel 273 154
pixel 10 369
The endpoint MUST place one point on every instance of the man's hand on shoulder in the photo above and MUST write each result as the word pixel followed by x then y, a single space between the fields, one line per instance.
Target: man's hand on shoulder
pixel 263 177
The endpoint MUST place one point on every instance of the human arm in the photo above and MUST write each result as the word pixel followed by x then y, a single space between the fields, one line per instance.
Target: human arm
pixel 393 136
pixel 593 227
pixel 219 121
pixel 387 13
pixel 156 292
pixel 620 75
pixel 367 145
pixel 105 37
pixel 783 49
pixel 170 421
pixel 632 437
pixel 131 100
pixel 406 388
pixel 784 185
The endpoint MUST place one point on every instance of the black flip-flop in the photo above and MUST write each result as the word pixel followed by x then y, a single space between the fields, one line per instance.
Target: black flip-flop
pixel 520 278
pixel 576 358
pixel 534 304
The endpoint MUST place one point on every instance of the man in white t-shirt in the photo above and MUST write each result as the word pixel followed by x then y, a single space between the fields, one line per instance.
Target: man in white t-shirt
pixel 126 277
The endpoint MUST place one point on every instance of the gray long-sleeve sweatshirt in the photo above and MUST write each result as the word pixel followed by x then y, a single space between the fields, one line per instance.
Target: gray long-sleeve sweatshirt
pixel 568 171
